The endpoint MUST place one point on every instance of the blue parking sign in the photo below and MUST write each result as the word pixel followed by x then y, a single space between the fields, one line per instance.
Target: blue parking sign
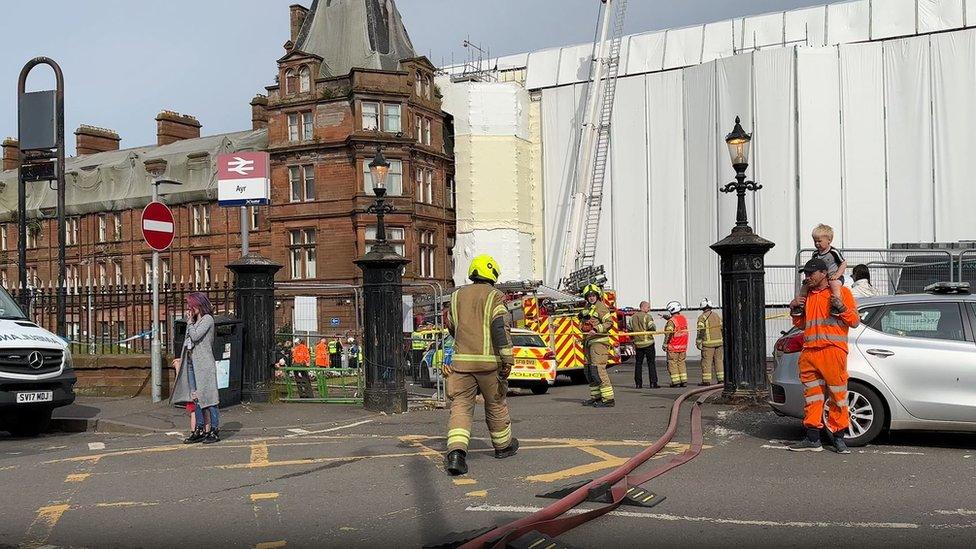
pixel 335 322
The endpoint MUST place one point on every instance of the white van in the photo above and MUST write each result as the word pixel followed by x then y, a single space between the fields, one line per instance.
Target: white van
pixel 36 374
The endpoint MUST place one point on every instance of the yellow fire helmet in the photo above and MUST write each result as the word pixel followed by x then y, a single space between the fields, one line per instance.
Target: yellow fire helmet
pixel 592 289
pixel 484 267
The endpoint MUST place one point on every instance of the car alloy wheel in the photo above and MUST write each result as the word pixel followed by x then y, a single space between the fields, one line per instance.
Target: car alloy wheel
pixel 867 415
pixel 862 414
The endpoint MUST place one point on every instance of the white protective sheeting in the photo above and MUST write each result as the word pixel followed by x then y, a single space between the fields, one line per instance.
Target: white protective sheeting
pixel 848 22
pixel 646 53
pixel 969 17
pixel 701 215
pixel 862 115
pixel 631 229
pixel 734 98
pixel 908 113
pixel 807 27
pixel 763 31
pixel 574 64
pixel 717 41
pixel 893 18
pixel 940 15
pixel 774 152
pixel 543 69
pixel 683 47
pixel 953 83
pixel 818 87
pixel 512 250
pixel 482 108
pixel 665 157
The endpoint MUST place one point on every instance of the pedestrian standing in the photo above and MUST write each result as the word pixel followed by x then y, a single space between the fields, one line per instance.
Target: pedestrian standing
pixel 709 341
pixel 862 287
pixel 301 358
pixel 322 353
pixel 335 353
pixel 596 323
pixel 641 323
pixel 676 344
pixel 196 381
pixel 823 359
pixel 482 361
pixel 353 353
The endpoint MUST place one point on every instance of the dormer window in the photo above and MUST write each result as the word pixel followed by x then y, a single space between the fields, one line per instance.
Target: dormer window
pixel 304 79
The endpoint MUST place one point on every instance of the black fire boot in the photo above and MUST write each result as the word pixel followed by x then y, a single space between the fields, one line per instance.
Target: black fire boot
pixel 605 404
pixel 591 402
pixel 455 463
pixel 509 451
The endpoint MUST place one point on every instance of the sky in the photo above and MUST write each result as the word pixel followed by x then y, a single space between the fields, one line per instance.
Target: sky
pixel 126 60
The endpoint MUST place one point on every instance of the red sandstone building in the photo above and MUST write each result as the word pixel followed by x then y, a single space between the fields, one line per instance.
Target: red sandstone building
pixel 321 122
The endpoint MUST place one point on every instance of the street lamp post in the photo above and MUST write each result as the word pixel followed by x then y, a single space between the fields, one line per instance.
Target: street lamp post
pixel 382 270
pixel 743 290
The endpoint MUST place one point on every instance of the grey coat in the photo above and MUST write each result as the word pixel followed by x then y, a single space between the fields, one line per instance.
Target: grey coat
pixel 201 335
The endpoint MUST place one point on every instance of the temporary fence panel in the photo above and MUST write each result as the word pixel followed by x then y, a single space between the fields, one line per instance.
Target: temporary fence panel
pixel 953 83
pixel 780 283
pixel 807 26
pixel 683 47
pixel 908 113
pixel 848 22
pixel 966 271
pixel 666 168
pixel 733 91
pixel 940 15
pixel 895 271
pixel 631 186
pixel 717 41
pixel 896 19
pixel 701 216
pixel 646 53
pixel 863 138
pixel 819 140
pixel 322 385
pixel 774 151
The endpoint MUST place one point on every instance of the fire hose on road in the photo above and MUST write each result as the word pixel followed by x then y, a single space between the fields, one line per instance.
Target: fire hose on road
pixel 619 483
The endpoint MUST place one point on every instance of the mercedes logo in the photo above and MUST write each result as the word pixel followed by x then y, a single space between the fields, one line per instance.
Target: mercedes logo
pixel 35 360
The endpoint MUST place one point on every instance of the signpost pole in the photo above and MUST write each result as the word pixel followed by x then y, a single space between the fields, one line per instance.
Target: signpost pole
pixel 157 348
pixel 245 231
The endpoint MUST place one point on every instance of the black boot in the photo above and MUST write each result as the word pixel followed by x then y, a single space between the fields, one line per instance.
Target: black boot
pixel 508 451
pixel 605 404
pixel 213 435
pixel 195 436
pixel 591 401
pixel 455 464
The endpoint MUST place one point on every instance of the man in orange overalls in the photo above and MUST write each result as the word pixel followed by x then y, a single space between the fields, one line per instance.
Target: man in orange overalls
pixel 823 360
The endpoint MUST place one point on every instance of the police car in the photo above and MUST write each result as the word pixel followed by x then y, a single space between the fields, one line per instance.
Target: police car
pixel 36 374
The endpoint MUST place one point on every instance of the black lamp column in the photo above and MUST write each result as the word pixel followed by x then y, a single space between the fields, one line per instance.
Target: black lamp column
pixel 743 290
pixel 383 307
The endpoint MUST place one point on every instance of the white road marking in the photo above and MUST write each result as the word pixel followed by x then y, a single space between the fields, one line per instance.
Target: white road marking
pixel 96 445
pixel 300 432
pixel 881 452
pixel 684 518
pixel 956 511
pixel 174 433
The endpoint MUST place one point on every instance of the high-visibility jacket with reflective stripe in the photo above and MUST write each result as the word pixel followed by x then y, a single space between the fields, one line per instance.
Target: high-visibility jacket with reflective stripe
pixel 604 321
pixel 709 330
pixel 473 308
pixel 416 342
pixel 642 322
pixel 300 355
pixel 676 331
pixel 820 328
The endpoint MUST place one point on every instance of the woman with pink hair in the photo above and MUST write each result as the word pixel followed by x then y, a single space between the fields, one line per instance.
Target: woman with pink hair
pixel 197 382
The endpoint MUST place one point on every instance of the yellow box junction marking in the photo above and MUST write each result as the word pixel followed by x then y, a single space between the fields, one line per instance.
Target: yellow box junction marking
pixel 264 496
pixel 464 481
pixel 259 455
pixel 478 494
pixel 47 517
pixel 271 544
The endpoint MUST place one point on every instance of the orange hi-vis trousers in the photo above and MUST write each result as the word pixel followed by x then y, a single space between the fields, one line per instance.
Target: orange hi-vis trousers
pixel 823 372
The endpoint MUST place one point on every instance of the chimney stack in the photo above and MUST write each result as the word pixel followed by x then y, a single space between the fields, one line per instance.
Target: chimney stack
pixel 259 112
pixel 92 139
pixel 11 154
pixel 298 14
pixel 173 126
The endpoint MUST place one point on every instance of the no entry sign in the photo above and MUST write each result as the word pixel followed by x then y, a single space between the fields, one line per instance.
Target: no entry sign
pixel 158 226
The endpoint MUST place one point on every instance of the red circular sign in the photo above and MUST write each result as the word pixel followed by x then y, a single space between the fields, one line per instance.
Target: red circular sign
pixel 158 226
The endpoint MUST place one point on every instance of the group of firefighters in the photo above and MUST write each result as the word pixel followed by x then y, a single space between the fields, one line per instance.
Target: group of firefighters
pixel 483 358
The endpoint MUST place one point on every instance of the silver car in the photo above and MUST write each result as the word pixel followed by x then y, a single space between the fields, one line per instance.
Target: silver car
pixel 912 365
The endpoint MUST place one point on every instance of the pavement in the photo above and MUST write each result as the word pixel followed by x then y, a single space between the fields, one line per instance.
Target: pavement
pixel 303 475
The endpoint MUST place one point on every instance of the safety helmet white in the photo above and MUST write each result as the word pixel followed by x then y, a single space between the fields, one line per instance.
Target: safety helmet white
pixel 673 307
pixel 707 304
pixel 351 340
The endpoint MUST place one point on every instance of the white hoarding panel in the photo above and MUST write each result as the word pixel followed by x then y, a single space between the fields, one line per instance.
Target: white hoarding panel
pixel 893 18
pixel 631 230
pixel 953 84
pixel 574 64
pixel 543 69
pixel 701 263
pixel 940 15
pixel 305 316
pixel 848 22
pixel 862 113
pixel 969 17
pixel 908 113
pixel 774 152
pixel 717 41
pixel 819 142
pixel 807 27
pixel 763 31
pixel 734 93
pixel 683 48
pixel 665 156
pixel 646 53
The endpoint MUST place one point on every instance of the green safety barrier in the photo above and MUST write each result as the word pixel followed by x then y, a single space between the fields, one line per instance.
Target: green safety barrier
pixel 332 385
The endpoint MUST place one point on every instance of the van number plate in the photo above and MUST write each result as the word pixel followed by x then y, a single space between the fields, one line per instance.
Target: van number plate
pixel 35 396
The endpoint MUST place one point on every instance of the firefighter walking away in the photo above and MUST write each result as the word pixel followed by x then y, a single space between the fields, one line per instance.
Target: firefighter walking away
pixel 481 363
pixel 596 323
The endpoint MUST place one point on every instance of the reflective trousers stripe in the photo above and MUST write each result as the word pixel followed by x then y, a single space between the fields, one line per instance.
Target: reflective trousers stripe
pixel 458 436
pixel 827 337
pixel 501 437
pixel 814 398
pixel 814 383
pixel 606 393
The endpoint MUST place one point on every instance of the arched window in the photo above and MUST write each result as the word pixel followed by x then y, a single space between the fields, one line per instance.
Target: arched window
pixel 289 81
pixel 304 79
